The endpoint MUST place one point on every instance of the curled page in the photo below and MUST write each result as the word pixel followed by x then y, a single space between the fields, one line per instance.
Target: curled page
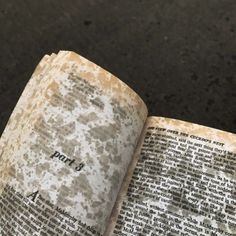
pixel 66 149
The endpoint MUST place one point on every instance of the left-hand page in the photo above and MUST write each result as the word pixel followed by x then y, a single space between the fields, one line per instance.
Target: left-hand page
pixel 66 149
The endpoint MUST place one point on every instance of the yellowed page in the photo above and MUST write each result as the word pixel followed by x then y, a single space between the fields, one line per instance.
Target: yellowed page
pixel 66 149
pixel 182 182
pixel 113 220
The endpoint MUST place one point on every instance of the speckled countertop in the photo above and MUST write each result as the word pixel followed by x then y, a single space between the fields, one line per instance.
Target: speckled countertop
pixel 180 56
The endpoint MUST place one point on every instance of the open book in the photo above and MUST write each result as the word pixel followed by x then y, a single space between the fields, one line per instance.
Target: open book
pixel 79 156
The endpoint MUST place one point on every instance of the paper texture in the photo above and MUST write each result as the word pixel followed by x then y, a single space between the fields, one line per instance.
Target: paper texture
pixel 68 144
pixel 182 182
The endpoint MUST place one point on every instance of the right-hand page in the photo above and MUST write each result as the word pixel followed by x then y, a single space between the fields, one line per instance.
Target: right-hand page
pixel 184 182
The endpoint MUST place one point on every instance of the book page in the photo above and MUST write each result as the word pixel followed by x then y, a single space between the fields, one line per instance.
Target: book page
pixel 182 182
pixel 66 149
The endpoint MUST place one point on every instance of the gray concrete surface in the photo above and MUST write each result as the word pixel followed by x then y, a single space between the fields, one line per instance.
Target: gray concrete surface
pixel 180 56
